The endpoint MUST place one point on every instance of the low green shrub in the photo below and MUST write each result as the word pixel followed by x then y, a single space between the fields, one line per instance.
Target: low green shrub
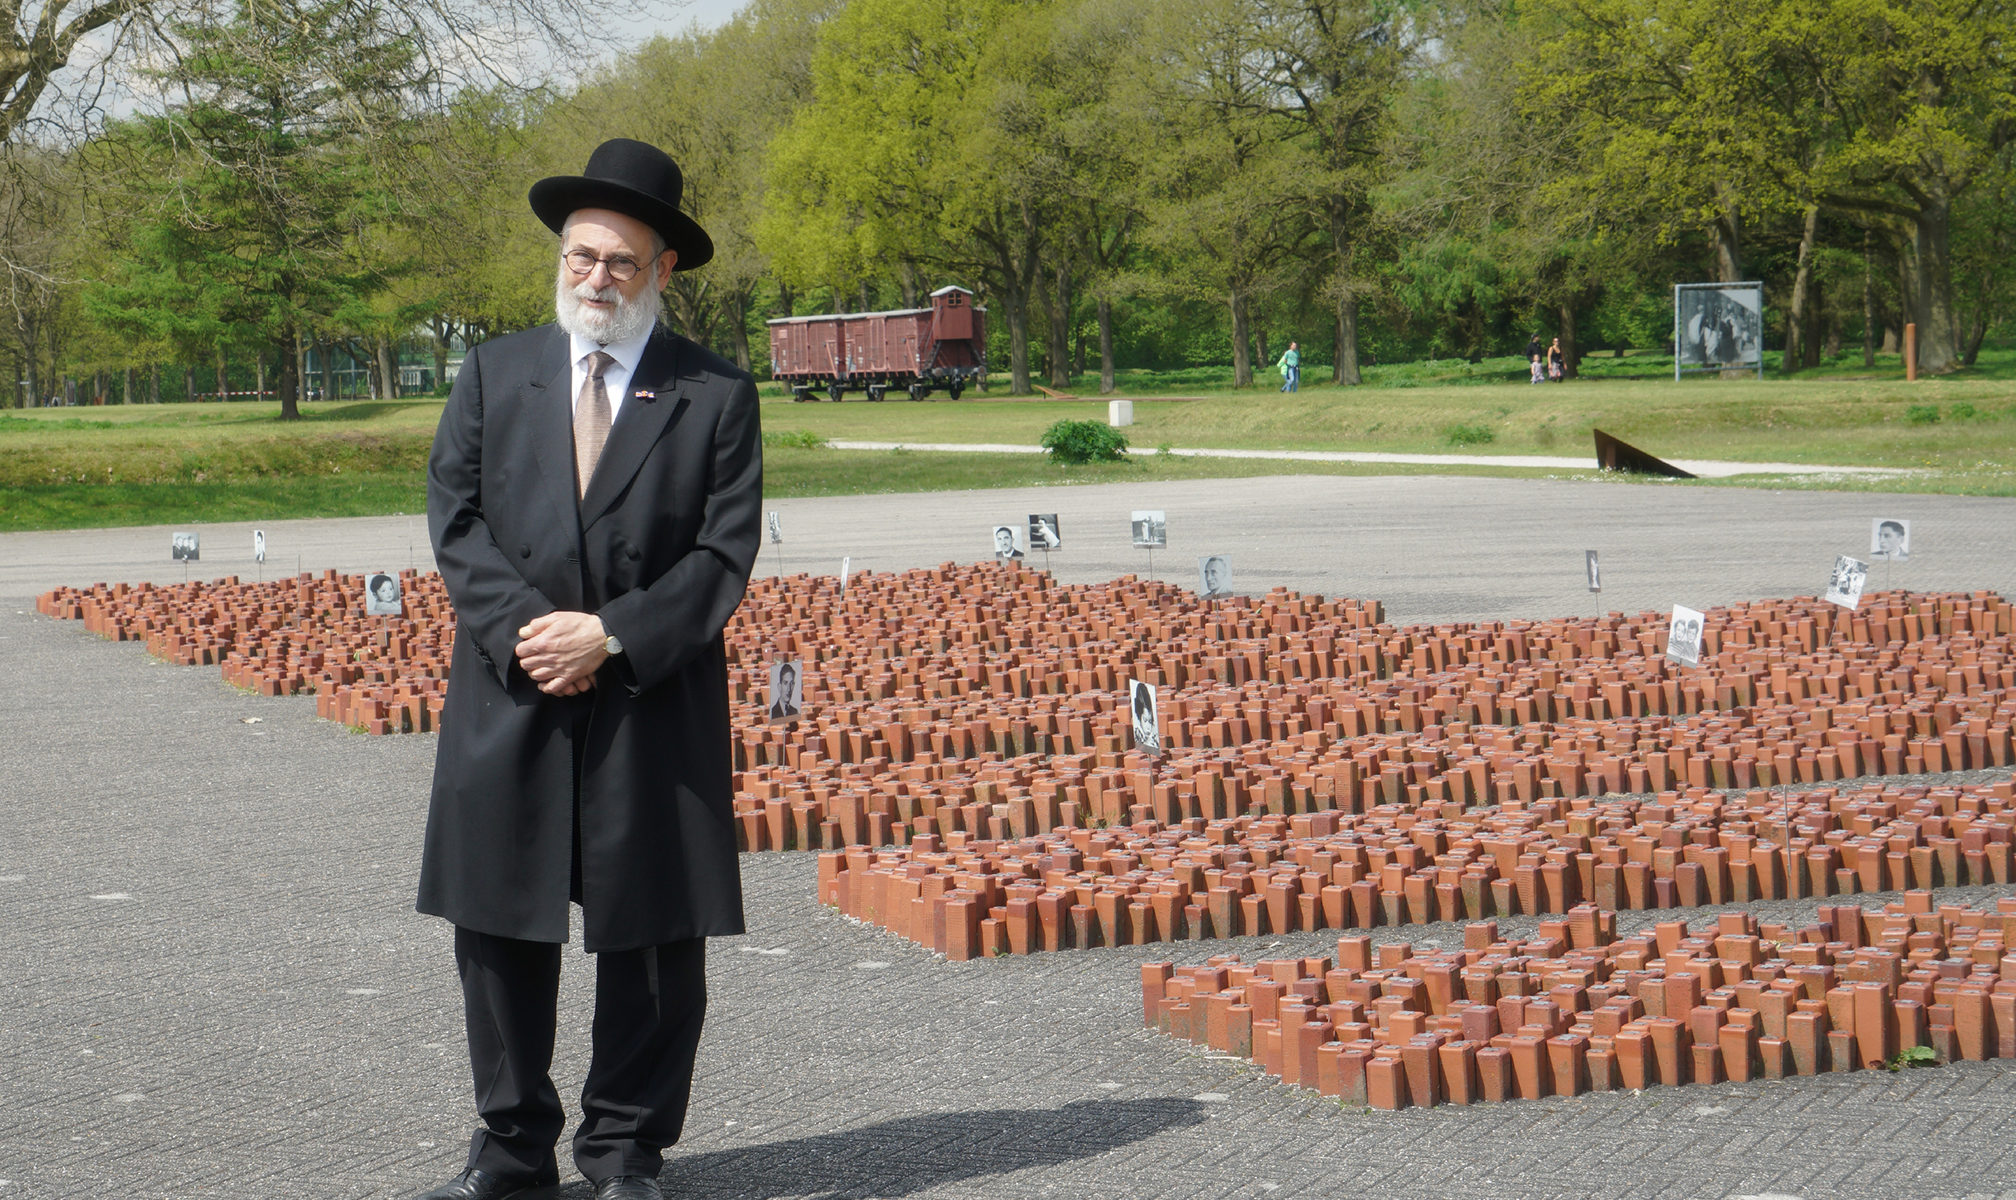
pixel 802 439
pixel 1074 442
pixel 1468 435
pixel 1922 414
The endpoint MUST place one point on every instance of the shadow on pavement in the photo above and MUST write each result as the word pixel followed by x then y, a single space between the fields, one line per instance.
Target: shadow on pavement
pixel 914 1154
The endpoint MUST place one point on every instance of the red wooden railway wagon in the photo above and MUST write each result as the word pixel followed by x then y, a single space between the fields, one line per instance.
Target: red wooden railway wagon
pixel 918 350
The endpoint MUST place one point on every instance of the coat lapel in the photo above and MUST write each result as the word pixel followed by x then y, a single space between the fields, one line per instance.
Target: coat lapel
pixel 552 419
pixel 653 405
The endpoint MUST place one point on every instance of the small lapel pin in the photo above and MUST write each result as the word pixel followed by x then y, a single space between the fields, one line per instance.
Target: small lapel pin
pixel 646 394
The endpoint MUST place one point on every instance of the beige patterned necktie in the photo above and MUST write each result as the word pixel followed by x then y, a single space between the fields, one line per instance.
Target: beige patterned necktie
pixel 591 420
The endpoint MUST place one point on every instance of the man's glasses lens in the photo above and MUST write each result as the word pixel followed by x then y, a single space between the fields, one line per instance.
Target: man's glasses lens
pixel 621 269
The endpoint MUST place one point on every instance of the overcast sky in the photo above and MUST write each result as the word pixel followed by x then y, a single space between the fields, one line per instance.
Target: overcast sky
pixel 707 13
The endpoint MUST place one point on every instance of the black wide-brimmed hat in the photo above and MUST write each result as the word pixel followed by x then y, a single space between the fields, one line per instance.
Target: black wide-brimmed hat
pixel 633 178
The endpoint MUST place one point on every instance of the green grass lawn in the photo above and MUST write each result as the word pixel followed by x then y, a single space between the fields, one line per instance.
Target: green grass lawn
pixel 73 468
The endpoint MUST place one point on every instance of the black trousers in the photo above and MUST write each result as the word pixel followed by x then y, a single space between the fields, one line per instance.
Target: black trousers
pixel 649 1005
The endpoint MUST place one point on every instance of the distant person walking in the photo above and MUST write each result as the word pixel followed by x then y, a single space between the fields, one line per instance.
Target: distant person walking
pixel 1291 368
pixel 1536 359
pixel 1557 361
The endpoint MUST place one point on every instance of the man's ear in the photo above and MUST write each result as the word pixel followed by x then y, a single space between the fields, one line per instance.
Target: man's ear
pixel 666 263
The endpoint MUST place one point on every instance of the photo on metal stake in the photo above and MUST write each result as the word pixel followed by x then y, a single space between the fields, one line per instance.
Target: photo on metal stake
pixel 1846 581
pixel 1595 570
pixel 845 565
pixel 381 596
pixel 1007 542
pixel 1890 540
pixel 1214 575
pixel 787 689
pixel 185 547
pixel 1147 723
pixel 1044 532
pixel 776 528
pixel 1151 529
pixel 258 545
pixel 1683 636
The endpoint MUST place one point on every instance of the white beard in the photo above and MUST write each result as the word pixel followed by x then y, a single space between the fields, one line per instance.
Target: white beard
pixel 629 319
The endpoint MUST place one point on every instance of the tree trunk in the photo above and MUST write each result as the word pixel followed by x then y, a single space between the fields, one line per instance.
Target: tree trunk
pixel 1105 345
pixel 325 353
pixel 1816 304
pixel 188 382
pixel 1938 330
pixel 1345 370
pixel 1868 306
pixel 289 383
pixel 1018 342
pixel 126 395
pixel 259 375
pixel 1242 359
pixel 33 368
pixel 785 300
pixel 1802 279
pixel 1060 324
pixel 1262 354
pixel 1728 241
pixel 154 383
pixel 736 307
pixel 388 370
pixel 1571 356
pixel 223 379
pixel 442 330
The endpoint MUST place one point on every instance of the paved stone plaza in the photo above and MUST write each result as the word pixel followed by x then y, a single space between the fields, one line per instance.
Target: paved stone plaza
pixel 212 982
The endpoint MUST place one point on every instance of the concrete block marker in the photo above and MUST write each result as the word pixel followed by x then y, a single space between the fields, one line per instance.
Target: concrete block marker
pixel 1575 1009
pixel 112 896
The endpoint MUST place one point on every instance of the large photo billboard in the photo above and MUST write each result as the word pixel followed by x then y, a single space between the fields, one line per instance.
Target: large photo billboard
pixel 1718 327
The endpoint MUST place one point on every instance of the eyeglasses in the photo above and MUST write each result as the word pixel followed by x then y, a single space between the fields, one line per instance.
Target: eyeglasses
pixel 622 268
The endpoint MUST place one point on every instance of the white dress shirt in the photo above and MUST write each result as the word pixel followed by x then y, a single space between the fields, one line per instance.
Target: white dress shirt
pixel 615 377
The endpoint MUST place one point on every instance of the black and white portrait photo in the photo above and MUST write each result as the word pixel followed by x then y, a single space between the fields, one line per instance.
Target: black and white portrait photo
pixel 1147 725
pixel 1595 570
pixel 1890 540
pixel 1845 582
pixel 1151 529
pixel 185 547
pixel 259 545
pixel 1720 325
pixel 776 528
pixel 787 689
pixel 1007 542
pixel 1683 636
pixel 846 568
pixel 1214 575
pixel 381 596
pixel 1044 532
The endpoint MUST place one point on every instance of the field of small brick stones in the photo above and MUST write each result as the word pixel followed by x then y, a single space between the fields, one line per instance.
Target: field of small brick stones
pixel 1578 1009
pixel 964 764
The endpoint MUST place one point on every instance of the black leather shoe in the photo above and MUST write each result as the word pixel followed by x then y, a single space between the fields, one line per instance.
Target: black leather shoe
pixel 628 1187
pixel 473 1184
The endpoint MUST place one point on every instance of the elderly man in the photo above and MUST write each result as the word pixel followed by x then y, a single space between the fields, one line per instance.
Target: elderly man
pixel 594 497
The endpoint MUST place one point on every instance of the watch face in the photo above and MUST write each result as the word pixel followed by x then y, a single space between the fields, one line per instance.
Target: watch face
pixel 611 645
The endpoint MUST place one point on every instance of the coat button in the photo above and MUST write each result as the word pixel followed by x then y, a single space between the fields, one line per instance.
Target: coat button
pixel 524 550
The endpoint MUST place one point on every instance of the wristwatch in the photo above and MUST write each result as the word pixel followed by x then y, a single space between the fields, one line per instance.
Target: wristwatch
pixel 611 646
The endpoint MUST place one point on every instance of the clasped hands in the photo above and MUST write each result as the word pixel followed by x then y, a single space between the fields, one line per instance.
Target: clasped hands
pixel 561 651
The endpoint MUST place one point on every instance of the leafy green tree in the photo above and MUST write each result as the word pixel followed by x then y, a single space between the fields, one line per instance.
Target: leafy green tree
pixel 1225 176
pixel 276 173
pixel 1339 66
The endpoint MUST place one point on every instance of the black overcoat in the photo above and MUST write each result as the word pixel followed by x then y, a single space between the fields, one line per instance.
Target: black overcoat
pixel 660 547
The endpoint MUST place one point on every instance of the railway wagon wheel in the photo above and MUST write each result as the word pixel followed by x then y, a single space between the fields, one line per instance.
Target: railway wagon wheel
pixel 835 390
pixel 800 395
pixel 954 390
pixel 918 391
pixel 876 391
